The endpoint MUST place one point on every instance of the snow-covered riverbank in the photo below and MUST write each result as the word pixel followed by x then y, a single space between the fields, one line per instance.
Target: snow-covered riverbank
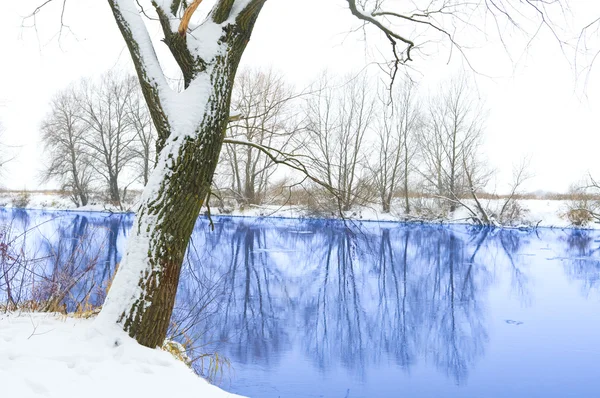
pixel 537 212
pixel 49 355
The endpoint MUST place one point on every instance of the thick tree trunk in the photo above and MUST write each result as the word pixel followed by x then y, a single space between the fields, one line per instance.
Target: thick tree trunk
pixel 142 295
pixel 165 220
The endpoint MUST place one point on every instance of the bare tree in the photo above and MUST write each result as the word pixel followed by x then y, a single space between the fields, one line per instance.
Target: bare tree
pixel 143 146
pixel 511 209
pixel 583 206
pixel 263 115
pixel 110 136
pixel 396 145
pixel 63 133
pixel 338 121
pixel 451 141
pixel 6 151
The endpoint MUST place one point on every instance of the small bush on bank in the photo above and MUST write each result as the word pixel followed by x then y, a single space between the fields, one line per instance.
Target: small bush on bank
pixel 430 208
pixel 22 199
pixel 581 207
pixel 579 217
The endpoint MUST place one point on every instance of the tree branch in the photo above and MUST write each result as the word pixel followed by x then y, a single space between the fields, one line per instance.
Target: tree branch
pixel 187 15
pixel 147 66
pixel 288 160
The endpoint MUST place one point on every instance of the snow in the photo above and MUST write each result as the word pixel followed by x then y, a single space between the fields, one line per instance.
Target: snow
pixel 135 264
pixel 54 201
pixel 49 355
pixel 151 65
pixel 204 40
pixel 540 212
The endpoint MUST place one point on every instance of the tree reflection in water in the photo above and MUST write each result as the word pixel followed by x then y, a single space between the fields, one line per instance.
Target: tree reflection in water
pixel 353 298
pixel 582 258
pixel 72 255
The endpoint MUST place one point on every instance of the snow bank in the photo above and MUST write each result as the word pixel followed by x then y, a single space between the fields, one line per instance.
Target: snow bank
pixel 538 212
pixel 47 355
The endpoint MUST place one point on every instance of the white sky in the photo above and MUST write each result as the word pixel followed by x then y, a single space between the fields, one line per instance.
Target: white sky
pixel 534 108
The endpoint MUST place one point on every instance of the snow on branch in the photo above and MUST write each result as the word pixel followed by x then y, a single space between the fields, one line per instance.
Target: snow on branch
pixel 134 29
pixel 389 33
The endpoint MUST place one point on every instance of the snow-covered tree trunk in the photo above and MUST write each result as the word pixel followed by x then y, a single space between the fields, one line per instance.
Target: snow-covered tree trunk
pixel 191 125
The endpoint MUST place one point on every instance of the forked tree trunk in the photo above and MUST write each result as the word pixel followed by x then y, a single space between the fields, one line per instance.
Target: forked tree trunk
pixel 143 293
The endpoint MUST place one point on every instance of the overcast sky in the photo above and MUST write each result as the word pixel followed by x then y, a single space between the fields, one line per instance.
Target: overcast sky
pixel 535 108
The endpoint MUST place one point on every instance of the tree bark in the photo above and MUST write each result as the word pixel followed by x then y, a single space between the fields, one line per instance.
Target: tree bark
pixel 142 296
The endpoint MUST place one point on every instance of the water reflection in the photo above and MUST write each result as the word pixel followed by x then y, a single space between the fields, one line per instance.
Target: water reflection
pixel 65 252
pixel 319 302
pixel 360 299
pixel 582 258
pixel 351 298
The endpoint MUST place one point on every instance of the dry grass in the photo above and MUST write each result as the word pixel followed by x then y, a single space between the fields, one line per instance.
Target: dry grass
pixel 209 365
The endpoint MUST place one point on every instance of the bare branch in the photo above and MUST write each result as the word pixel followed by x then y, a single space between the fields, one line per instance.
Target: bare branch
pixel 286 159
pixel 187 15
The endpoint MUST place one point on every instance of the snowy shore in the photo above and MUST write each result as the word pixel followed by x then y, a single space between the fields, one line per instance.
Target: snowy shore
pixel 537 212
pixel 51 355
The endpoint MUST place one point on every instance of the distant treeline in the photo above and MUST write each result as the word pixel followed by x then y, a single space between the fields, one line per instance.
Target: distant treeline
pixel 349 142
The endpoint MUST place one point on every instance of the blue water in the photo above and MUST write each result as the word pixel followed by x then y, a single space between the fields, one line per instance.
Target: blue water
pixel 325 309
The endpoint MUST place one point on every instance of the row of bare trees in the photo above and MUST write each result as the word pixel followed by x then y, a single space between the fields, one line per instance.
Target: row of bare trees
pixel 367 144
pixel 98 135
pixel 262 113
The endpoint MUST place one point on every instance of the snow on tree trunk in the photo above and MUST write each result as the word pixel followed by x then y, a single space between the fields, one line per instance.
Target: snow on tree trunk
pixel 191 127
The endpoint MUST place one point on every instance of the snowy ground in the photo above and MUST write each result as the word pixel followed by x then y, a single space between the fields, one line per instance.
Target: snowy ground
pixel 539 212
pixel 47 355
pixel 52 201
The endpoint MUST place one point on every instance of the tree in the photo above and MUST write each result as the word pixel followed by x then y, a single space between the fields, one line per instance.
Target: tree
pixel 63 133
pixel 396 145
pixel 338 121
pixel 143 145
pixel 450 143
pixel 110 135
pixel 5 154
pixel 511 209
pixel 191 125
pixel 583 206
pixel 262 107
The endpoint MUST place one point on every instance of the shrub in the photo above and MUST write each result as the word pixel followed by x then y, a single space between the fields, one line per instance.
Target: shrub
pixel 428 208
pixel 22 199
pixel 579 217
pixel 61 280
pixel 512 213
pixel 582 208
